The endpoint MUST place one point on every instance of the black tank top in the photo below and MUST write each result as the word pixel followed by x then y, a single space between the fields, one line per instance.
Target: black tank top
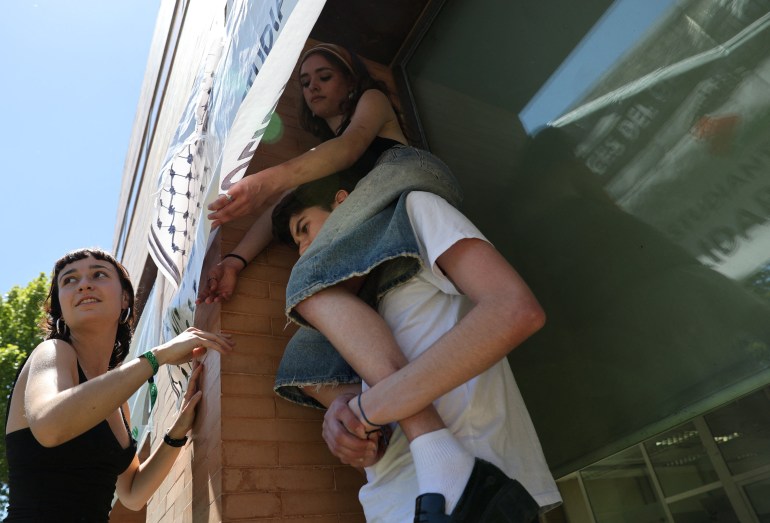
pixel 366 161
pixel 72 482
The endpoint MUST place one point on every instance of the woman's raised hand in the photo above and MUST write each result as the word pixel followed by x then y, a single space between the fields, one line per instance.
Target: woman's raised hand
pixel 220 282
pixel 192 396
pixel 191 343
pixel 247 196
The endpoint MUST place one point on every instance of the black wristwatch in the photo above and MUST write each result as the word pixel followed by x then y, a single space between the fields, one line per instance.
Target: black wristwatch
pixel 171 442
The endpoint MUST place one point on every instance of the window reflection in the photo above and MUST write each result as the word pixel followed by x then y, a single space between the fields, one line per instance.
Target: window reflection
pixel 680 461
pixel 708 506
pixel 657 227
pixel 674 131
pixel 742 431
pixel 640 219
pixel 620 489
pixel 759 496
pixel 620 29
pixel 714 468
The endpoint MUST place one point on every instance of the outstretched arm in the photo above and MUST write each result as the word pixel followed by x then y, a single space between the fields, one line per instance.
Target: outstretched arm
pixel 58 409
pixel 505 313
pixel 373 116
pixel 220 281
pixel 140 481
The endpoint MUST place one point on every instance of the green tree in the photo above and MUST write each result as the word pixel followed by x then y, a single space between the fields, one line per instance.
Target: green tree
pixel 21 311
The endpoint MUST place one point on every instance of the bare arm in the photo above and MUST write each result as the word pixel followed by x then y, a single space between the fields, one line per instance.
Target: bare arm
pixel 505 313
pixel 58 408
pixel 373 116
pixel 140 481
pixel 222 278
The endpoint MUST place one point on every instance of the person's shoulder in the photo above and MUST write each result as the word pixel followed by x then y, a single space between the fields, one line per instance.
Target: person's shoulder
pixel 432 216
pixel 373 92
pixel 426 200
pixel 52 351
pixel 374 97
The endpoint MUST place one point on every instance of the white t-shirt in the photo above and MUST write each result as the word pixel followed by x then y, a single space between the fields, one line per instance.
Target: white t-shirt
pixel 486 414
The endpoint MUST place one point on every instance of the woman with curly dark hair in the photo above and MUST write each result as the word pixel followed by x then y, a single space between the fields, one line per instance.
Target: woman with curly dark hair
pixel 68 441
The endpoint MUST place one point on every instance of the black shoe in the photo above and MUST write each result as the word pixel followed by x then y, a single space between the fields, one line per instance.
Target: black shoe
pixel 429 508
pixel 492 497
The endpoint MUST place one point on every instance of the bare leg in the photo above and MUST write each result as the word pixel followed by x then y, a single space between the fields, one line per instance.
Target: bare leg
pixel 365 341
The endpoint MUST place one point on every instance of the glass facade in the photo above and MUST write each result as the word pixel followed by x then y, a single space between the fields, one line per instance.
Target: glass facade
pixel 618 154
pixel 713 468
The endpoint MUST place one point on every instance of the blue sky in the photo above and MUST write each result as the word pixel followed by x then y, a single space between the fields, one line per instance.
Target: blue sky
pixel 71 74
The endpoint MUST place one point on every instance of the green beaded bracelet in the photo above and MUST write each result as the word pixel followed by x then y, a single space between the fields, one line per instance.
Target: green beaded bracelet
pixel 149 356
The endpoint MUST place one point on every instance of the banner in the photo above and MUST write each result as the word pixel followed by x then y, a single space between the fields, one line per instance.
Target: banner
pixel 270 65
pixel 241 94
pixel 233 99
pixel 184 177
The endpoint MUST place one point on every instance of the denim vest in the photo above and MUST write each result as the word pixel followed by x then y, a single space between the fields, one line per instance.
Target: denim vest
pixel 369 233
pixel 371 227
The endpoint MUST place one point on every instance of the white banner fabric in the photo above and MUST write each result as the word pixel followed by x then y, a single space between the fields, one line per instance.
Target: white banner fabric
pixel 232 103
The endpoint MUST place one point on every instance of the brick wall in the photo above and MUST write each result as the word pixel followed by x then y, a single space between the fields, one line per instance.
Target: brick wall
pixel 275 464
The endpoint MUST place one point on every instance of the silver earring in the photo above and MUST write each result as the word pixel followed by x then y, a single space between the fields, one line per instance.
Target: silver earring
pixel 123 320
pixel 61 327
pixel 351 94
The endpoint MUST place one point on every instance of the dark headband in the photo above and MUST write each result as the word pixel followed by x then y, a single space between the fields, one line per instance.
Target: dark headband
pixel 338 51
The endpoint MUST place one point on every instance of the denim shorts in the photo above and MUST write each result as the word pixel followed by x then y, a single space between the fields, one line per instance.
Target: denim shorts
pixel 361 233
pixel 368 234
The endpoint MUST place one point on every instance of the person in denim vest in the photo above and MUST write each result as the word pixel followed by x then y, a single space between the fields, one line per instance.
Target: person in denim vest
pixel 364 141
pixel 455 319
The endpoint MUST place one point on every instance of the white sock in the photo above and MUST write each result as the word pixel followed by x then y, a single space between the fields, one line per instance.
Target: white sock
pixel 443 465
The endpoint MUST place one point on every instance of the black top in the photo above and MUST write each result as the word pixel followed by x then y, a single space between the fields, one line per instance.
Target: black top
pixel 72 482
pixel 366 161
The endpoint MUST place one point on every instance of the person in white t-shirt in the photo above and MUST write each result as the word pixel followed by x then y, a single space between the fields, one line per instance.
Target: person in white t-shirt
pixel 455 344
